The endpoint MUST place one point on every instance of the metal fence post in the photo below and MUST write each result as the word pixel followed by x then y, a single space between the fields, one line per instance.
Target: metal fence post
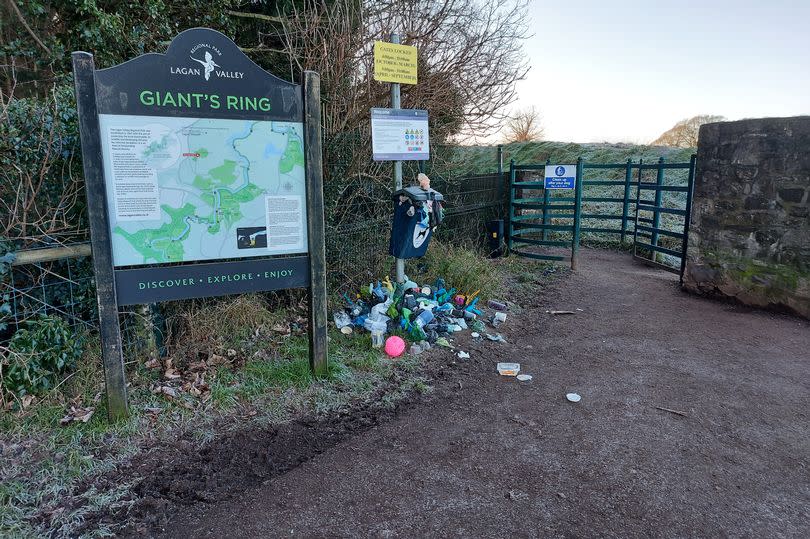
pixel 688 217
pixel 577 211
pixel 659 193
pixel 546 218
pixel 500 175
pixel 628 178
pixel 395 104
pixel 638 200
pixel 511 200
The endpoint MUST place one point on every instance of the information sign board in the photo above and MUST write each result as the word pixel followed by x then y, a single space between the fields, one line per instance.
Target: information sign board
pixel 203 155
pixel 394 63
pixel 199 155
pixel 560 177
pixel 400 135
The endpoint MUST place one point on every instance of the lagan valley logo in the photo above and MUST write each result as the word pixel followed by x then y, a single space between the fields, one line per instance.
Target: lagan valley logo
pixel 209 65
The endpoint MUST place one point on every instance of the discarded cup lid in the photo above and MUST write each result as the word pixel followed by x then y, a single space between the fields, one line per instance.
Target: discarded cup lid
pixel 573 397
pixel 524 377
pixel 346 330
pixel 508 369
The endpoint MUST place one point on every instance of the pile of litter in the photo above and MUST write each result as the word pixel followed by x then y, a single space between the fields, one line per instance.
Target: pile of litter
pixel 429 314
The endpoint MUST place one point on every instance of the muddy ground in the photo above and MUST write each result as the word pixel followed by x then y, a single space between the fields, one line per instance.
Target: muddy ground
pixel 488 456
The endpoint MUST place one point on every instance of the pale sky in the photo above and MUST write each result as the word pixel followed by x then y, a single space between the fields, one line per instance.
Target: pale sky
pixel 628 70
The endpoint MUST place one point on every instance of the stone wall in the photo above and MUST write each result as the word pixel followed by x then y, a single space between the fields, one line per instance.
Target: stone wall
pixel 749 236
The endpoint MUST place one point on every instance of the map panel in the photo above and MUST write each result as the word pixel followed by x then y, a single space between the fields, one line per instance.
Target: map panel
pixel 185 189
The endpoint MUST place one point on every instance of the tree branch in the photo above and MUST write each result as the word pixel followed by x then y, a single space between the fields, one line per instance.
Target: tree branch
pixel 13 5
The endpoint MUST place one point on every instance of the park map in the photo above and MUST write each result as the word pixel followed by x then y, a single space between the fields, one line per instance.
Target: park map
pixel 184 189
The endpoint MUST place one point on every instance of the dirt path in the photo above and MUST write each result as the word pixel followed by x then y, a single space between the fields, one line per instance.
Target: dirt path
pixel 489 456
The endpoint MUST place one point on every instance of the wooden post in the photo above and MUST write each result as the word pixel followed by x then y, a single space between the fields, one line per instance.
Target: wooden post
pixel 111 354
pixel 49 254
pixel 316 230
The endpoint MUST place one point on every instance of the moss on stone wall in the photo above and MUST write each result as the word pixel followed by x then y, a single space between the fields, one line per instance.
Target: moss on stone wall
pixel 750 229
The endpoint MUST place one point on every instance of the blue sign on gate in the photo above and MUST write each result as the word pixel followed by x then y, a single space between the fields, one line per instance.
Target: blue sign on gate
pixel 560 177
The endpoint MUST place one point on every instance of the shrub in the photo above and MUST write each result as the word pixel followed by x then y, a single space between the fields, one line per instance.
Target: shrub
pixel 37 355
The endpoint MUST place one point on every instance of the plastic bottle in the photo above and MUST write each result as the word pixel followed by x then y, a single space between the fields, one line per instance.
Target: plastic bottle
pixel 497 305
pixel 342 319
pixel 378 334
pixel 377 339
pixel 424 318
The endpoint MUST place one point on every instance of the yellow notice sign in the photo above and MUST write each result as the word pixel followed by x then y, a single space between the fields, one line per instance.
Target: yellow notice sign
pixel 394 63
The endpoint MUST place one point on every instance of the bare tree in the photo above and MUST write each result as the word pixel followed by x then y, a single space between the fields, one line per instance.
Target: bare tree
pixel 469 60
pixel 685 133
pixel 524 126
pixel 469 54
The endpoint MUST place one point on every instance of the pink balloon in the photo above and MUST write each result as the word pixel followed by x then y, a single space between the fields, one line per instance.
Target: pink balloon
pixel 394 346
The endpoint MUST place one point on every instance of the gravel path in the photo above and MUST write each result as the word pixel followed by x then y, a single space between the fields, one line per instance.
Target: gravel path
pixel 488 456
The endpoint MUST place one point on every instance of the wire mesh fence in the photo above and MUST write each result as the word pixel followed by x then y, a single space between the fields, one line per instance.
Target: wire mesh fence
pixel 358 204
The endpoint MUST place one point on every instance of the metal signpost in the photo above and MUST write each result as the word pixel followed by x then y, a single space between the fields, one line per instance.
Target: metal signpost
pixel 396 64
pixel 204 178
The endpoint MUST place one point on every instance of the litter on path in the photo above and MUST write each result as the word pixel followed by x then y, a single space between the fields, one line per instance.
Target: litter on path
pixel 560 312
pixel 508 369
pixel 677 412
pixel 463 355
pixel 573 397
pixel 524 377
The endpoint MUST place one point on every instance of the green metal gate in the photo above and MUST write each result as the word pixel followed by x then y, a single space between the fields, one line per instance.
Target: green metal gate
pixel 650 203
pixel 556 225
pixel 663 244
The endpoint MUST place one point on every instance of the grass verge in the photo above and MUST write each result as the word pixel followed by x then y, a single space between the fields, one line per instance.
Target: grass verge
pixel 231 363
